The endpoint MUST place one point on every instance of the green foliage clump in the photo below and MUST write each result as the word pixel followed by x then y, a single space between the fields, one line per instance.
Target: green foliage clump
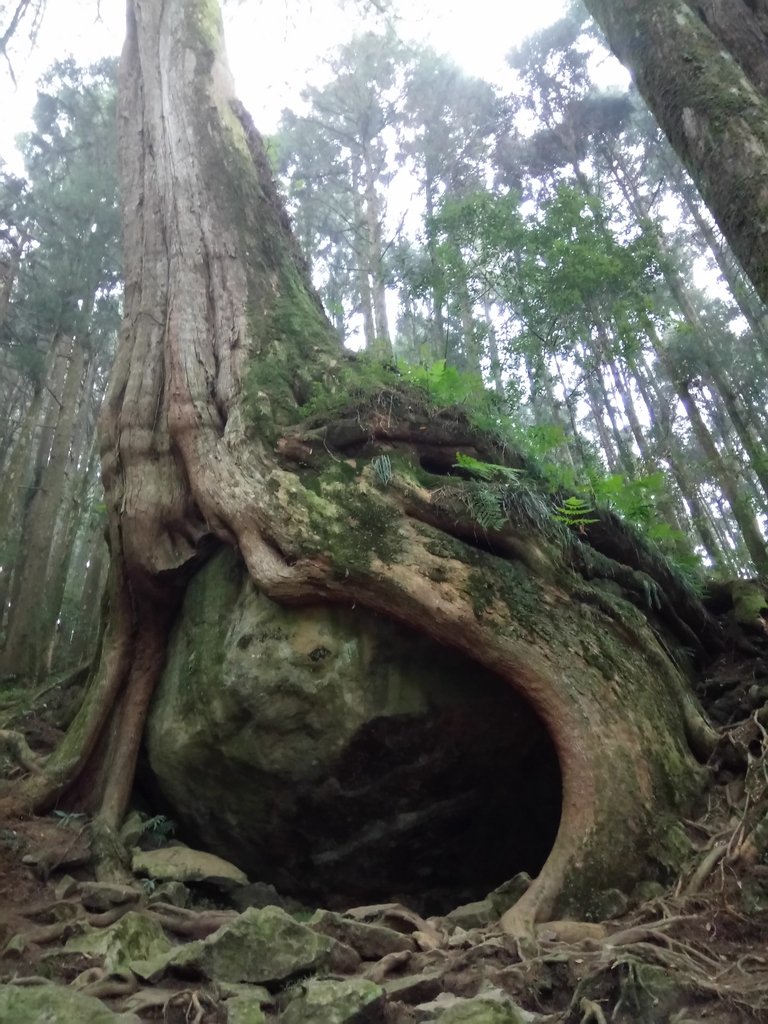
pixel 574 512
pixel 486 470
pixel 382 467
pixel 362 382
pixel 356 383
pixel 501 495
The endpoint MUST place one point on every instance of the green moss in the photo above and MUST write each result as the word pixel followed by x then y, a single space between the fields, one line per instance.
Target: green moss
pixel 671 846
pixel 348 523
pixel 345 472
pixel 206 24
pixel 749 602
pixel 209 603
pixel 481 591
pixel 360 383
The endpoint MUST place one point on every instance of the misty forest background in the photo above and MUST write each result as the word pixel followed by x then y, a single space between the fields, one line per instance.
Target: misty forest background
pixel 539 255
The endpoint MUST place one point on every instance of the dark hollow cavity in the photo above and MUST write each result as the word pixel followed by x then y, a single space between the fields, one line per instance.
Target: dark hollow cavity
pixel 443 784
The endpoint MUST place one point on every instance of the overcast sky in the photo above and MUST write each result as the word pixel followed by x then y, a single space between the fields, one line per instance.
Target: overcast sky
pixel 275 46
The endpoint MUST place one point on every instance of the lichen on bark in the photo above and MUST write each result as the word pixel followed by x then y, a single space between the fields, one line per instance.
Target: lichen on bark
pixel 714 112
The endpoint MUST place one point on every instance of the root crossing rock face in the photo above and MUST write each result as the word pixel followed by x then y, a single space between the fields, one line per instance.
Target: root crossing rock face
pixel 343 758
pixel 339 750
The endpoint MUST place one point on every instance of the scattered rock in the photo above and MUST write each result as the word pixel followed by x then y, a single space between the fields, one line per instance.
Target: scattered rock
pixel 182 864
pixel 415 988
pixel 245 1009
pixel 101 896
pixel 65 848
pixel 257 894
pixel 646 891
pixel 334 1002
pixel 371 941
pixel 489 1008
pixel 473 915
pixel 132 830
pixel 55 1004
pixel 14 947
pixel 387 965
pixel 264 946
pixel 613 903
pixel 133 937
pixel 175 893
pixel 389 915
pixel 65 887
pixel 507 894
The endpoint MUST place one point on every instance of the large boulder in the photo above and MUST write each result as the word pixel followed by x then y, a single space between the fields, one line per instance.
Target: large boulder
pixel 333 753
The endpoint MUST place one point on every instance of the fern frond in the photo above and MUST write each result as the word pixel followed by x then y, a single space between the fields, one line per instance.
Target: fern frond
pixel 486 506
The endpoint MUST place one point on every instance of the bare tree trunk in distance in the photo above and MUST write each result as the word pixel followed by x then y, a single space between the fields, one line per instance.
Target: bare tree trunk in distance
pixel 203 445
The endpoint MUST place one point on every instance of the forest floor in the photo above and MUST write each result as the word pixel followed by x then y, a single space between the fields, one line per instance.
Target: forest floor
pixel 697 950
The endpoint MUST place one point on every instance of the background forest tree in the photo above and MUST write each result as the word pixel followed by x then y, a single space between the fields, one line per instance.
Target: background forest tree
pixel 527 313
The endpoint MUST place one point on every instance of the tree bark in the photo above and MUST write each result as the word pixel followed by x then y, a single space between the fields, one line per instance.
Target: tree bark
pixel 711 109
pixel 222 335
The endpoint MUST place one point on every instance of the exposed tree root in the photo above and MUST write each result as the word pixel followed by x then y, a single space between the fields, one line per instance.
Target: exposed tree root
pixel 15 746
pixel 103 984
pixel 592 1014
pixel 187 924
pixel 193 1003
pixel 706 866
pixel 191 924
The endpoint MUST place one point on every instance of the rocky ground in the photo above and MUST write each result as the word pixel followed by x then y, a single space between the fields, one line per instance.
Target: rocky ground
pixel 185 937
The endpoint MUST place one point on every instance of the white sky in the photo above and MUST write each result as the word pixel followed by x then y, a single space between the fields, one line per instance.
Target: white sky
pixel 275 46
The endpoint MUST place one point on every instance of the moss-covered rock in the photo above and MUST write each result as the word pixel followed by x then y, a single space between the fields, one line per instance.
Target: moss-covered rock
pixel 333 1002
pixel 371 941
pixel 133 937
pixel 245 1009
pixel 264 946
pixel 54 1004
pixel 491 1008
pixel 180 863
pixel 328 751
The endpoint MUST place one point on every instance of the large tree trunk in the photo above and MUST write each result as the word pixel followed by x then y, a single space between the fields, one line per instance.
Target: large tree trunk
pixel 203 446
pixel 703 72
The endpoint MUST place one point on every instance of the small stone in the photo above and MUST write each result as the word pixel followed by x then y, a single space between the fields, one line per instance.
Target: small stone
pixel 613 903
pixel 371 941
pixel 646 891
pixel 133 937
pixel 333 1002
pixel 508 893
pixel 257 894
pixel 492 1007
pixel 245 1009
pixel 65 887
pixel 415 988
pixel 175 893
pixel 15 947
pixel 264 946
pixel 473 915
pixel 459 939
pixel 101 896
pixel 132 830
pixel 55 1003
pixel 180 863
